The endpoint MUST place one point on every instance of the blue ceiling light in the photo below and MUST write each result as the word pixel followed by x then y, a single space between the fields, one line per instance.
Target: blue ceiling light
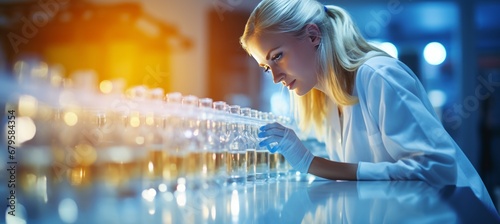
pixel 388 47
pixel 434 53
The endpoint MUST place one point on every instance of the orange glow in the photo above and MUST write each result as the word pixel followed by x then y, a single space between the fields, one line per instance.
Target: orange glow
pixel 123 57
pixel 70 118
pixel 106 86
pixel 117 40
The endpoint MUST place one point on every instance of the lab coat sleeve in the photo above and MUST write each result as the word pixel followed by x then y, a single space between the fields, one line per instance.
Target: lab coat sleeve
pixel 401 114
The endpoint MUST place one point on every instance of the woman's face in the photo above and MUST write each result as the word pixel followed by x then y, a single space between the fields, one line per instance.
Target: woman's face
pixel 290 60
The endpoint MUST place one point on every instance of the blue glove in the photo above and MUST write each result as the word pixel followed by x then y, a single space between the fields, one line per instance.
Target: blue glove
pixel 289 145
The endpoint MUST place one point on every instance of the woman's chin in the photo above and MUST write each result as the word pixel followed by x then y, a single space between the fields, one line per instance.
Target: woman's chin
pixel 299 93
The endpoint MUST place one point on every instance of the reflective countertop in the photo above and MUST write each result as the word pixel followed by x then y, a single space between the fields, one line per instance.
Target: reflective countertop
pixel 302 200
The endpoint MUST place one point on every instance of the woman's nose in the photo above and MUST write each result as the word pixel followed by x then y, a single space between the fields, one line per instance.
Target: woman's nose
pixel 277 76
pixel 276 79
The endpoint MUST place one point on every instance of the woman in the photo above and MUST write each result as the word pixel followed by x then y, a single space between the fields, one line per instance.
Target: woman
pixel 373 112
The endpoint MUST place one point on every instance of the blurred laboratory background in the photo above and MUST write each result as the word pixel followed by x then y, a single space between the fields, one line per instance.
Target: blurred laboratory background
pixel 192 47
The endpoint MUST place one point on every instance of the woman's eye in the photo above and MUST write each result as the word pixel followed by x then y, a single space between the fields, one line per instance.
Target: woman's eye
pixel 277 57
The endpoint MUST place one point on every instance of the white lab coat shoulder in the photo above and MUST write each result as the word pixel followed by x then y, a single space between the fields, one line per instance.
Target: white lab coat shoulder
pixel 395 107
pixel 404 130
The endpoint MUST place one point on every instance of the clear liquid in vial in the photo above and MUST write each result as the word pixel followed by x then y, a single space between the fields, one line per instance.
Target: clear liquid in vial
pixel 218 160
pixel 154 164
pixel 262 165
pixel 215 163
pixel 237 167
pixel 175 166
pixel 281 165
pixel 251 162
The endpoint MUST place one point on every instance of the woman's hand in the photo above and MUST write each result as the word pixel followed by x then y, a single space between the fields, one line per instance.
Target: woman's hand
pixel 289 145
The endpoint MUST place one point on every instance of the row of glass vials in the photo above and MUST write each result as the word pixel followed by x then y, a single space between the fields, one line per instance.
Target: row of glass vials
pixel 149 139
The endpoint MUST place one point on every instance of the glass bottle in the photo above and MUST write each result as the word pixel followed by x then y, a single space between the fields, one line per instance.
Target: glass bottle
pixel 262 153
pixel 277 160
pixel 221 132
pixel 193 142
pixel 237 154
pixel 211 142
pixel 155 134
pixel 251 144
pixel 175 156
pixel 118 162
pixel 134 139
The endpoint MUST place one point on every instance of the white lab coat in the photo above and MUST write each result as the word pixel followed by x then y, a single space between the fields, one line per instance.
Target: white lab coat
pixel 393 132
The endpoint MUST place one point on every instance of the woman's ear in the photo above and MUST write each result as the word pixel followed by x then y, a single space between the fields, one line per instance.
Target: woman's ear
pixel 313 33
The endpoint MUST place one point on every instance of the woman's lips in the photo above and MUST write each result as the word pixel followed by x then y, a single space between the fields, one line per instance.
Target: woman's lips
pixel 290 86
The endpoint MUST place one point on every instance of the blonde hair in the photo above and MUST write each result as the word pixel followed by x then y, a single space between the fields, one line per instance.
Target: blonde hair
pixel 341 51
